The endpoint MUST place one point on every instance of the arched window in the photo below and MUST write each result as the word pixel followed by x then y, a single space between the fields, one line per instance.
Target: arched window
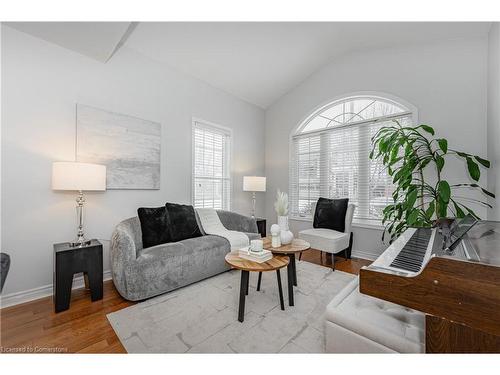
pixel 330 155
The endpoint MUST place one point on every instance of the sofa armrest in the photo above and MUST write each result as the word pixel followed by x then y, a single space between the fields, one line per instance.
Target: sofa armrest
pixel 240 223
pixel 124 249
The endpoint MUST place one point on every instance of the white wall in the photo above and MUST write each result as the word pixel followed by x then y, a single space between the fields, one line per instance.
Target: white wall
pixel 494 117
pixel 445 81
pixel 41 83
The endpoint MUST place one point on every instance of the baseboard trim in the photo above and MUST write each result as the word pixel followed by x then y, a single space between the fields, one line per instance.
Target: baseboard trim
pixel 17 298
pixel 364 255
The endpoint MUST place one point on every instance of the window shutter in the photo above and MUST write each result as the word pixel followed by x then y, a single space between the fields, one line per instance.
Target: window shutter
pixel 334 163
pixel 211 166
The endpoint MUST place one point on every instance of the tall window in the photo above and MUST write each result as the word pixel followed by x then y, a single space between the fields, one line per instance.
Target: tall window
pixel 211 166
pixel 330 156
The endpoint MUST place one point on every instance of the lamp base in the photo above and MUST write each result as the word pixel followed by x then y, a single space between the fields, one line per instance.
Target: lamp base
pixel 253 204
pixel 81 241
pixel 80 236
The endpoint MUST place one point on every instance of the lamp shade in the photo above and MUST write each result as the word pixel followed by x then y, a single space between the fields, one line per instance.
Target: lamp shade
pixel 78 176
pixel 254 183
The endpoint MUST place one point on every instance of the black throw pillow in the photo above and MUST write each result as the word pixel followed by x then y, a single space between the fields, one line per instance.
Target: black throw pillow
pixel 330 214
pixel 154 226
pixel 182 222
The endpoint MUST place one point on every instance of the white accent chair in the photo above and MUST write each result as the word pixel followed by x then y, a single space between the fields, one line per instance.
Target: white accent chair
pixel 329 240
pixel 357 323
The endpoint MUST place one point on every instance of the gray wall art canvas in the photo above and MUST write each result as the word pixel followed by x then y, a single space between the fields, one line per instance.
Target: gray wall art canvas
pixel 128 146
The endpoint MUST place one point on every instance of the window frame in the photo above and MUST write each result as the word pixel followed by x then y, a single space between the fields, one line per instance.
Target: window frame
pixel 220 128
pixel 411 112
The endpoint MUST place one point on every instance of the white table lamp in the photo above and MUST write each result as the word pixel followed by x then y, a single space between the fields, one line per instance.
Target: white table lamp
pixel 254 184
pixel 79 177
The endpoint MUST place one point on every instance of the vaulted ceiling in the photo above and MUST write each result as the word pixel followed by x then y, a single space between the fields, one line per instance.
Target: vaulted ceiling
pixel 255 61
pixel 98 40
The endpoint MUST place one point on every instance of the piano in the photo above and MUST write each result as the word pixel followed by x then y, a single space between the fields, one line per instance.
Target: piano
pixel 454 279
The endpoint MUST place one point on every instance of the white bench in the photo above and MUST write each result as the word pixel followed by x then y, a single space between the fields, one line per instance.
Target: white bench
pixel 357 323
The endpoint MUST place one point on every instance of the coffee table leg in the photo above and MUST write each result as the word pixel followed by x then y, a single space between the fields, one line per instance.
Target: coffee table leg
pixel 258 281
pixel 294 265
pixel 248 282
pixel 280 290
pixel 289 269
pixel 243 287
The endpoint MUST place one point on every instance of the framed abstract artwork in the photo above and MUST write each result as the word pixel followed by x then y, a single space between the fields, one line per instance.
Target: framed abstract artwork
pixel 128 146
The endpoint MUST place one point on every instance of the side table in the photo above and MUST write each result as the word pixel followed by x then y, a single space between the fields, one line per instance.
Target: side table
pixel 246 266
pixel 297 246
pixel 69 260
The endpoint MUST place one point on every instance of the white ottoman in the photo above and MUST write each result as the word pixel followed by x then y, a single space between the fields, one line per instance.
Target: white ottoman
pixel 357 323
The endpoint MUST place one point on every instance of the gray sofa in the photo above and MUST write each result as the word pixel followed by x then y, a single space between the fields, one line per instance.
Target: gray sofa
pixel 143 273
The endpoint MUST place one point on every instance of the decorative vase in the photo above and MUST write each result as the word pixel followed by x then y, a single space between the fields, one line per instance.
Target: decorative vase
pixel 275 236
pixel 286 235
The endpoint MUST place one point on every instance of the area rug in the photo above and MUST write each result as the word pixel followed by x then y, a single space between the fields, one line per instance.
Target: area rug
pixel 202 317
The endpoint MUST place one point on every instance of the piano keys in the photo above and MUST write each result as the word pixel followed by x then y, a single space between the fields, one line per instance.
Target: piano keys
pixel 458 287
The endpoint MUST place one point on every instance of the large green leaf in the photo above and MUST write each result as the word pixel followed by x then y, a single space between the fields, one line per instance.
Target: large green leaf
pixel 382 145
pixel 427 128
pixel 412 217
pixel 430 210
pixel 478 187
pixel 473 169
pixel 460 212
pixel 485 163
pixel 441 208
pixel 444 191
pixel 424 163
pixel 443 145
pixel 412 198
pixel 394 161
pixel 394 152
pixel 439 162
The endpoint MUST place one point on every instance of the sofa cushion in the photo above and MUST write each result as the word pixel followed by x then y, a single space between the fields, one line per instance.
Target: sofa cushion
pixel 182 222
pixel 396 327
pixel 154 226
pixel 330 214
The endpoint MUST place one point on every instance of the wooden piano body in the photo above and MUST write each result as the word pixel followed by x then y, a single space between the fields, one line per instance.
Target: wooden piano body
pixel 460 297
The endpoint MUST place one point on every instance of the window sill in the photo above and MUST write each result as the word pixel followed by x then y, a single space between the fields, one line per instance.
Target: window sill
pixel 370 224
pixel 358 223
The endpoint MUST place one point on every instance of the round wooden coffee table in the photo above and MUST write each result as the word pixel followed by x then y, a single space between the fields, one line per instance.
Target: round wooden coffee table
pixel 246 266
pixel 297 246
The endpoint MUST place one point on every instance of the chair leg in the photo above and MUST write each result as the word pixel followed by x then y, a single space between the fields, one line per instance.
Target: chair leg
pixel 300 255
pixel 349 249
pixel 333 262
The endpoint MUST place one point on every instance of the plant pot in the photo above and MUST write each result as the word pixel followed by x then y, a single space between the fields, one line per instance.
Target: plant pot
pixel 286 235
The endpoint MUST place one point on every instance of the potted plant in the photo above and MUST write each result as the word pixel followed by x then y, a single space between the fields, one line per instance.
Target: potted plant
pixel 415 160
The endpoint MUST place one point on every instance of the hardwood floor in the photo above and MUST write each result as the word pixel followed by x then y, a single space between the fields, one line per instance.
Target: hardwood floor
pixel 84 328
pixel 350 265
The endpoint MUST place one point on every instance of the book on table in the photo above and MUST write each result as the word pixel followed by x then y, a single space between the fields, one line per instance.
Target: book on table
pixel 259 257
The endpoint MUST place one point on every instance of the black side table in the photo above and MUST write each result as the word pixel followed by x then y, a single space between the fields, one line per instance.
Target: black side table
pixel 261 226
pixel 70 260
